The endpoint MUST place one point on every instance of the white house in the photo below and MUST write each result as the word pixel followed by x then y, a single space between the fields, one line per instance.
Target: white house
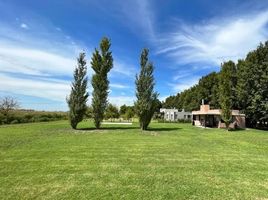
pixel 174 114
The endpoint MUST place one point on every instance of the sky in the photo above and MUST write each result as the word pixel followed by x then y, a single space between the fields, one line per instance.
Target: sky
pixel 187 39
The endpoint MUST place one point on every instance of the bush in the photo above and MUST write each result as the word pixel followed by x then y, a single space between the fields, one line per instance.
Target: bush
pixel 14 122
pixel 44 119
pixel 28 116
pixel 178 121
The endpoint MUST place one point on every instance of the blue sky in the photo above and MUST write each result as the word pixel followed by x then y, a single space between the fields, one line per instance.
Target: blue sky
pixel 40 40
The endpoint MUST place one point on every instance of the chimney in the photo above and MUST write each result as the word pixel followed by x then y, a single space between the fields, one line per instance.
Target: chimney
pixel 203 107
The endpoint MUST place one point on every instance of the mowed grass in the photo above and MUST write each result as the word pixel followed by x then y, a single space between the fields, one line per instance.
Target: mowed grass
pixel 170 161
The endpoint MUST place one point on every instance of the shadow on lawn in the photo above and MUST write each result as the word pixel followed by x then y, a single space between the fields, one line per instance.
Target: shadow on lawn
pixel 108 128
pixel 128 128
pixel 163 129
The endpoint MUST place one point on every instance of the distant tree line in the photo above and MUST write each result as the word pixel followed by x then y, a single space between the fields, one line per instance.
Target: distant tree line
pixel 11 114
pixel 112 112
pixel 242 86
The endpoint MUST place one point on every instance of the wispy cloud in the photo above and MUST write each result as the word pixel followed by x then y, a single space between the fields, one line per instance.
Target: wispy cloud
pixel 118 86
pixel 183 83
pixel 216 40
pixel 139 16
pixel 39 88
pixel 146 16
pixel 24 26
pixel 182 74
pixel 34 63
pixel 123 68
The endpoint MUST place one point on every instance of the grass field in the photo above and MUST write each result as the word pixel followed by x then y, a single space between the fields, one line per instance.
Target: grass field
pixel 171 161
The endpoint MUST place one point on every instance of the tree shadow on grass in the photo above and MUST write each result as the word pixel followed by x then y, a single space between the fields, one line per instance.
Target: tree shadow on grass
pixel 236 130
pixel 127 128
pixel 163 129
pixel 109 128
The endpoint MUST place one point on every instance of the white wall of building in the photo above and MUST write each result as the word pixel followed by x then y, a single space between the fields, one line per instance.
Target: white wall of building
pixel 174 114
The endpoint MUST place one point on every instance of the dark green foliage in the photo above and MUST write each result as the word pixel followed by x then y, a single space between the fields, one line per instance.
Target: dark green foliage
pixel 123 110
pixel 78 97
pixel 146 103
pixel 127 112
pixel 190 99
pixel 158 105
pixel 111 112
pixel 101 63
pixel 252 86
pixel 89 112
pixel 172 102
pixel 225 91
pixel 207 89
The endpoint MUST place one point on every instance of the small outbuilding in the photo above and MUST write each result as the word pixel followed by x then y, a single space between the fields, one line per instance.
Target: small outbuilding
pixel 207 117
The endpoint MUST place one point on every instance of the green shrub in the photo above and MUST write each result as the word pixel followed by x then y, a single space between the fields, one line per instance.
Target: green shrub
pixel 14 122
pixel 26 116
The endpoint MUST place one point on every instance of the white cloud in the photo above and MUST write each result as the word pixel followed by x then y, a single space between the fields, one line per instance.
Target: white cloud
pixel 184 83
pixel 215 41
pixel 120 100
pixel 53 90
pixel 41 61
pixel 162 98
pixel 32 61
pixel 138 16
pixel 123 68
pixel 118 86
pixel 182 74
pixel 24 26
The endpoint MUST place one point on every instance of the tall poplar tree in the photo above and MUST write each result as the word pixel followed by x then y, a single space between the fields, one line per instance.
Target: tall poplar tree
pixel 101 63
pixel 225 92
pixel 78 97
pixel 146 97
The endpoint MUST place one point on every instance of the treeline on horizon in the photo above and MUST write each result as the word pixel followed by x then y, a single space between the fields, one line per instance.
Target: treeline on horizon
pixel 17 116
pixel 249 88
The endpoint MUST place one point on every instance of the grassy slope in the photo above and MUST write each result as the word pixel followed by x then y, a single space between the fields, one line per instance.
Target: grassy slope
pixel 172 161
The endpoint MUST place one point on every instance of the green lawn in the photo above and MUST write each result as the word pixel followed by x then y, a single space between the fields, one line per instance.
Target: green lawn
pixel 171 161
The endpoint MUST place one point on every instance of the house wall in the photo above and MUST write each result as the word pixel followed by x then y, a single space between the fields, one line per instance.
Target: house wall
pixel 184 115
pixel 169 116
pixel 239 121
pixel 204 108
pixel 174 115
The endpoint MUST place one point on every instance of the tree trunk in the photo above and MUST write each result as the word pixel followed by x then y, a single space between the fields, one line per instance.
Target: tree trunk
pixel 227 124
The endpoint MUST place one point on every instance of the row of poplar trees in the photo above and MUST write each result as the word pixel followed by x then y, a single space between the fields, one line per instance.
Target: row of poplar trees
pixel 102 63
